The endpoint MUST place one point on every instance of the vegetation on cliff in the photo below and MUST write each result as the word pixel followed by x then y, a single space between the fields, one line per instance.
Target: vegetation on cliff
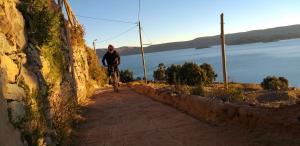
pixel 66 72
pixel 96 71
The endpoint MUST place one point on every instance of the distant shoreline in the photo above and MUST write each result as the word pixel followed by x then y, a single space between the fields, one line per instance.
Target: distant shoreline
pixel 255 36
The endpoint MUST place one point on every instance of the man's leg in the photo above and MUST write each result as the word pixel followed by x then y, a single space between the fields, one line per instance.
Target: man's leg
pixel 109 73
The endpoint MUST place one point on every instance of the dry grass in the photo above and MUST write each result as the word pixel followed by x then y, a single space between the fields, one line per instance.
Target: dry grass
pixel 238 92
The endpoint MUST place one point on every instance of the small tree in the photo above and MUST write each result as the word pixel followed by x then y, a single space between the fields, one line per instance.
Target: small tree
pixel 191 74
pixel 210 75
pixel 96 71
pixel 126 76
pixel 274 83
pixel 172 74
pixel 160 73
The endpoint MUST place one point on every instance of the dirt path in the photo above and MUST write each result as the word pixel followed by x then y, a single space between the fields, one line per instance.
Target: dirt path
pixel 131 119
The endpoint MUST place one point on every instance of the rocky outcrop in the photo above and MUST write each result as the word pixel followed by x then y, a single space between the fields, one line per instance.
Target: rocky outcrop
pixel 12 42
pixel 12 26
pixel 40 85
pixel 9 136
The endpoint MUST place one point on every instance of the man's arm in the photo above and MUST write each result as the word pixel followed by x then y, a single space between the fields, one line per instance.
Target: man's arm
pixel 118 59
pixel 103 60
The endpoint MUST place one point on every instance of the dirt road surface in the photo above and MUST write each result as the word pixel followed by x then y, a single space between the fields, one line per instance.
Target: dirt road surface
pixel 131 119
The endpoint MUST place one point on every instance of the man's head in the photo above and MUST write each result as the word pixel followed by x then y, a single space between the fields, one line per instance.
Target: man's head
pixel 111 48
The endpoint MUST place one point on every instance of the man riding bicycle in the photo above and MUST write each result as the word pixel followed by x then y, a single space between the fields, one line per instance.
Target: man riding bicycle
pixel 111 60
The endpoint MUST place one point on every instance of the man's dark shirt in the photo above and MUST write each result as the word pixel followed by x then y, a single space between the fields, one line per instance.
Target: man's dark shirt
pixel 110 58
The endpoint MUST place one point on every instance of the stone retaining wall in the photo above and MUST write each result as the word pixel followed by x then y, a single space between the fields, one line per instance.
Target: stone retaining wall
pixel 280 119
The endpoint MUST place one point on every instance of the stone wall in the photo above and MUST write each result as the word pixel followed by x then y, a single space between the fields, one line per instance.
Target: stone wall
pixel 12 44
pixel 273 119
pixel 37 106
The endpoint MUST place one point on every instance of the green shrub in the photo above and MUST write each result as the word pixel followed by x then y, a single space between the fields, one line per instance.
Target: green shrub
pixel 235 94
pixel 96 71
pixel 126 76
pixel 182 89
pixel 275 83
pixel 172 74
pixel 44 26
pixel 232 94
pixel 198 90
pixel 160 73
pixel 190 74
pixel 210 75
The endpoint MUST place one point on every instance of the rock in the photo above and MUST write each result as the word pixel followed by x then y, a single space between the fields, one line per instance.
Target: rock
pixel 3 81
pixel 14 24
pixel 14 92
pixel 17 111
pixel 11 68
pixel 33 57
pixel 30 80
pixel 9 136
pixel 5 47
pixel 5 25
pixel 49 142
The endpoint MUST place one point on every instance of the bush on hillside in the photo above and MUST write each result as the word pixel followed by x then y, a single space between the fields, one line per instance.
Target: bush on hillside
pixel 172 74
pixel 160 73
pixel 126 76
pixel 275 83
pixel 190 74
pixel 210 75
pixel 44 26
pixel 96 71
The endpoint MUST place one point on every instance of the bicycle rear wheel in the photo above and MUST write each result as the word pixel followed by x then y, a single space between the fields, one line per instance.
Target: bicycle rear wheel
pixel 116 82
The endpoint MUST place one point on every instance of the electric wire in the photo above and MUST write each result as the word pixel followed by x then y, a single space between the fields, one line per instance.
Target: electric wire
pixel 118 35
pixel 106 19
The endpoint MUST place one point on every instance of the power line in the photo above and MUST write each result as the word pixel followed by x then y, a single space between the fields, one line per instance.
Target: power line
pixel 106 19
pixel 118 35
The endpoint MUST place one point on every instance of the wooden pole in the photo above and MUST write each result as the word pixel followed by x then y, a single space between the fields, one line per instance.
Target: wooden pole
pixel 223 53
pixel 94 44
pixel 142 50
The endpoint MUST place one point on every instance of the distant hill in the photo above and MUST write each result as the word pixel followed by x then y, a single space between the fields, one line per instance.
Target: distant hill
pixel 255 36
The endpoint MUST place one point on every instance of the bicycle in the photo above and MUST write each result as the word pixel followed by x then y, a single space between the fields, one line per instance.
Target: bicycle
pixel 114 77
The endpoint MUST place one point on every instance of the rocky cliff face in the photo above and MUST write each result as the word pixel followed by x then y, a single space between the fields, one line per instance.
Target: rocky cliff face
pixel 12 44
pixel 44 73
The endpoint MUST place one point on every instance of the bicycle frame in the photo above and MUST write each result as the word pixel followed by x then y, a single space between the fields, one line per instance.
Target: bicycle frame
pixel 114 77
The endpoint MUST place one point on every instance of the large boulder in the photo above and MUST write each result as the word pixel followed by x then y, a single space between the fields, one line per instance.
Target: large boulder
pixel 12 23
pixel 11 68
pixel 9 136
pixel 17 111
pixel 30 80
pixel 5 46
pixel 14 92
pixel 2 82
pixel 5 25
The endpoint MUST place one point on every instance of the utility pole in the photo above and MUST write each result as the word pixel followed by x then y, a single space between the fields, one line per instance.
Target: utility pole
pixel 142 50
pixel 94 44
pixel 223 53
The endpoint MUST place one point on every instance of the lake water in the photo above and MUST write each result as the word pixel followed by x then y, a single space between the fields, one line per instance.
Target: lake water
pixel 248 63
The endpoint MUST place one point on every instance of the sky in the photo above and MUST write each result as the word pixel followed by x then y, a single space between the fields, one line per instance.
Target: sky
pixel 178 20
